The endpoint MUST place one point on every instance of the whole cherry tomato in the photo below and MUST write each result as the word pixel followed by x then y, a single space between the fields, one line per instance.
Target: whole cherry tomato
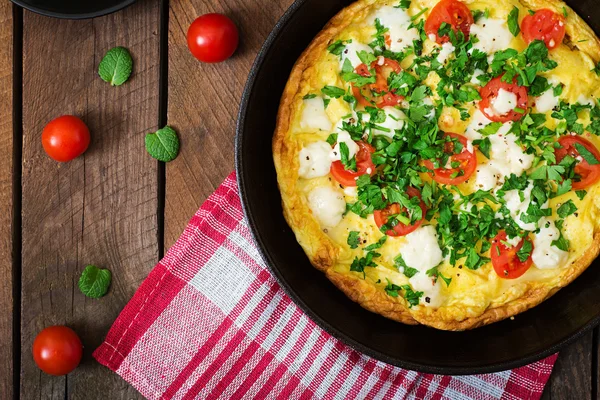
pixel 65 138
pixel 57 350
pixel 212 38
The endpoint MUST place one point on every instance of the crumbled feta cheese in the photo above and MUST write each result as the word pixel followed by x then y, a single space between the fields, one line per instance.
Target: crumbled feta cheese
pixel 314 159
pixel 314 116
pixel 351 53
pixel 397 21
pixel 544 255
pixel 493 35
pixel 327 204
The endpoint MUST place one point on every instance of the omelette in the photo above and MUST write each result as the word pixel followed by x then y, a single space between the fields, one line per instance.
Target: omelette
pixel 438 160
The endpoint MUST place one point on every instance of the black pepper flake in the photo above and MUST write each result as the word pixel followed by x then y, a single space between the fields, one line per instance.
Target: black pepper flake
pixel 427 300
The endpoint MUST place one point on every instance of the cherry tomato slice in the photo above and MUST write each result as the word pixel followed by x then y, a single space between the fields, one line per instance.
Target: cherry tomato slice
pixel 505 261
pixel 212 38
pixel 65 138
pixel 380 86
pixel 364 165
pixel 544 25
pixel 490 92
pixel 400 229
pixel 57 350
pixel 454 13
pixel 466 159
pixel 589 174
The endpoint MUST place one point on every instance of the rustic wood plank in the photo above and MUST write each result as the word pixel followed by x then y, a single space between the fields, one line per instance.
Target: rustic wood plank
pixel 203 102
pixel 6 148
pixel 98 209
pixel 572 374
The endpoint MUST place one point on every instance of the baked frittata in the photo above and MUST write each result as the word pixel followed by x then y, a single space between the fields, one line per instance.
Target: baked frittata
pixel 438 160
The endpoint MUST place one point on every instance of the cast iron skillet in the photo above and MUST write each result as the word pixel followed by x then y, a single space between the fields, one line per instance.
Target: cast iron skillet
pixel 531 336
pixel 74 9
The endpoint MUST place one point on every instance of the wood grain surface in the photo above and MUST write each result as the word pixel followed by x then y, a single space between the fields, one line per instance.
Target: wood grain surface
pixel 105 207
pixel 6 148
pixel 98 209
pixel 203 102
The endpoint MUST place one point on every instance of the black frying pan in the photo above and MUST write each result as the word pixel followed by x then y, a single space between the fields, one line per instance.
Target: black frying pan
pixel 74 9
pixel 532 335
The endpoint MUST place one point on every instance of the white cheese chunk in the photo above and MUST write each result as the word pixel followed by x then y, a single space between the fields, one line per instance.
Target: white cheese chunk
pixel 487 176
pixel 351 53
pixel 547 101
pixel 421 249
pixel 343 137
pixel 420 282
pixel 504 102
pixel 314 160
pixel 586 101
pixel 544 255
pixel 478 122
pixel 493 35
pixel 394 120
pixel 507 156
pixel 314 116
pixel 445 53
pixel 397 22
pixel 351 191
pixel 327 205
pixel 518 207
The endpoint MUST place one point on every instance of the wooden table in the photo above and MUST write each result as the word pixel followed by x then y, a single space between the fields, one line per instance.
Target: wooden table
pixel 116 207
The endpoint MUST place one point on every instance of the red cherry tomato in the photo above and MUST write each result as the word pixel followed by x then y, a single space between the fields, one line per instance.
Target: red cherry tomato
pixel 400 229
pixel 454 13
pixel 380 86
pixel 544 25
pixel 490 92
pixel 212 38
pixel 505 261
pixel 466 159
pixel 363 165
pixel 589 174
pixel 57 350
pixel 65 138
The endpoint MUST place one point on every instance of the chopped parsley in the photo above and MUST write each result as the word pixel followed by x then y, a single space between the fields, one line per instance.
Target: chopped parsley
pixel 353 239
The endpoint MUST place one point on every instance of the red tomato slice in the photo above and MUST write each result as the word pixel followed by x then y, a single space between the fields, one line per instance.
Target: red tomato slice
pixel 590 174
pixel 381 216
pixel 467 160
pixel 380 86
pixel 452 12
pixel 364 164
pixel 544 25
pixel 490 92
pixel 505 261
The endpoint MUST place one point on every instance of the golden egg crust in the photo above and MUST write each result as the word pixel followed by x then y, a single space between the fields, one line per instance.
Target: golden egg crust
pixel 325 253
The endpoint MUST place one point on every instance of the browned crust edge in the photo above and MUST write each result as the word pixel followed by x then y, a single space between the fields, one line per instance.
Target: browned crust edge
pixel 320 249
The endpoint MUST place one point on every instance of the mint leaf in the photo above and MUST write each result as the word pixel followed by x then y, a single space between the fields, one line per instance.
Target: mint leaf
pixel 163 144
pixel 94 282
pixel 116 66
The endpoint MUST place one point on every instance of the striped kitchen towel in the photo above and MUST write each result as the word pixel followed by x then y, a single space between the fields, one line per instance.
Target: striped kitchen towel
pixel 210 321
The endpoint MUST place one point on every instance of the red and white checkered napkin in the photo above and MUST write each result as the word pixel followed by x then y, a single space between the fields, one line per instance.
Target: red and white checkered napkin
pixel 210 321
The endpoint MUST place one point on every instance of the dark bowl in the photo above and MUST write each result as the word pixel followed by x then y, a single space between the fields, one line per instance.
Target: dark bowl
pixel 74 9
pixel 531 336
